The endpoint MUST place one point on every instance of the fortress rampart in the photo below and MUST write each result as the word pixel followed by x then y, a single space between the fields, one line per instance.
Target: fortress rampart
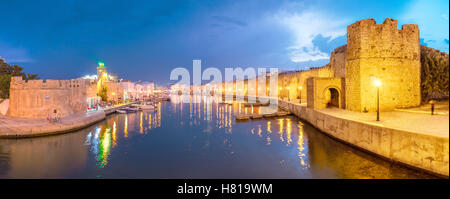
pixel 383 52
pixel 38 98
pixel 295 80
pixel 373 52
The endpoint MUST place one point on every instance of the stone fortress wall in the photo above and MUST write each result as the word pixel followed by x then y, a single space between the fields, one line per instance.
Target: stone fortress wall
pixel 38 98
pixel 373 51
pixel 384 52
pixel 293 80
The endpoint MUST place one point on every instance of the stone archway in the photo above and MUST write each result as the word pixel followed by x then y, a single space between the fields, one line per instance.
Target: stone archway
pixel 331 97
pixel 334 98
pixel 324 92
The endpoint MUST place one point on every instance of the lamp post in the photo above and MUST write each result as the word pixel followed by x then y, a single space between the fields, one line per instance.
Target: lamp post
pixel 280 93
pixel 300 93
pixel 289 93
pixel 378 84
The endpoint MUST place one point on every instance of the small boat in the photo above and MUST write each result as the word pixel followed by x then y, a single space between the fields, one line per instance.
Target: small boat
pixel 147 107
pixel 127 110
pixel 134 105
pixel 121 111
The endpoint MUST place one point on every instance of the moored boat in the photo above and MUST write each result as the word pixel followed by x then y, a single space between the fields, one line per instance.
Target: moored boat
pixel 127 110
pixel 121 111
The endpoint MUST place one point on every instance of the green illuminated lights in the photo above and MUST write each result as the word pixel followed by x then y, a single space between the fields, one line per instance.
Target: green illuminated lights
pixel 101 64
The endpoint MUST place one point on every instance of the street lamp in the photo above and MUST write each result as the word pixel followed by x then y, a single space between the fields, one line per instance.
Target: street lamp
pixel 279 93
pixel 300 96
pixel 378 84
pixel 289 93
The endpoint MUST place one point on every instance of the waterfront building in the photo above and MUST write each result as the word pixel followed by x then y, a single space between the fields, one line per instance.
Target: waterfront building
pixel 39 98
pixel 144 90
pixel 115 92
pixel 92 98
pixel 128 90
pixel 138 90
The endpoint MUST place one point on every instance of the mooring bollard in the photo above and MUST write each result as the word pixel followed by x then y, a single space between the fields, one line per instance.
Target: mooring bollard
pixel 432 106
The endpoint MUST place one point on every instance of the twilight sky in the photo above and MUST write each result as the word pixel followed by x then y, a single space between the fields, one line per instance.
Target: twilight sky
pixel 145 40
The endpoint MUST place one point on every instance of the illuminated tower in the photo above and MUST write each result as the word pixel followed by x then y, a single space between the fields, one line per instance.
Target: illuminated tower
pixel 382 52
pixel 101 70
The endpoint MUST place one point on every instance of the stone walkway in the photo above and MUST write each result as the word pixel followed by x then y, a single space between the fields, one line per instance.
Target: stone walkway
pixel 440 108
pixel 436 125
pixel 19 127
pixel 418 122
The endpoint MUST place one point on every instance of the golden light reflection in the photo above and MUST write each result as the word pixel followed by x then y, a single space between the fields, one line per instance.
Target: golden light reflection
pixel 159 115
pixel 125 128
pixel 104 148
pixel 190 110
pixel 181 108
pixel 280 131
pixel 199 111
pixel 259 131
pixel 149 121
pixel 114 134
pixel 141 130
pixel 300 143
pixel 288 131
pixel 269 127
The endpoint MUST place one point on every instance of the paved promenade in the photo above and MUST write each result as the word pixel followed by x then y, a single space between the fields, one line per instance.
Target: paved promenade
pixel 21 128
pixel 418 122
pixel 418 140
pixel 435 125
pixel 24 128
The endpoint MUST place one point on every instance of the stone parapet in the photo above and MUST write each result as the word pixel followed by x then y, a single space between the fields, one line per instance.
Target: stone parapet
pixel 421 151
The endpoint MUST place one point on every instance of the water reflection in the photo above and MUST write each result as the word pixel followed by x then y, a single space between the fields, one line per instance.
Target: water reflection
pixel 192 140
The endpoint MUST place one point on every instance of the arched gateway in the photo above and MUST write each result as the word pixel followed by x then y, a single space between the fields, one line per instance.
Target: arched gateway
pixel 325 93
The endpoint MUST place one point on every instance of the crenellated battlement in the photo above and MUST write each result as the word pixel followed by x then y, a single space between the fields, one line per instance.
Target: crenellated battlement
pixel 366 39
pixel 38 98
pixel 19 83
pixel 387 24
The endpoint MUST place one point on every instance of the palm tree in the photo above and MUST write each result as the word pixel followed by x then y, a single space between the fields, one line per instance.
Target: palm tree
pixel 30 76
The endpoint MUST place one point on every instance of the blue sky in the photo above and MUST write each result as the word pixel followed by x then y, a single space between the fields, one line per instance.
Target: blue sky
pixel 145 40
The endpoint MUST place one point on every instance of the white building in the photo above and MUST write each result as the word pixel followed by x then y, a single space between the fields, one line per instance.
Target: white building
pixel 137 91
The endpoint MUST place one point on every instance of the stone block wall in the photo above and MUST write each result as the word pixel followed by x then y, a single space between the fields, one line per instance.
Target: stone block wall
pixel 115 91
pixel 319 94
pixel 337 61
pixel 430 153
pixel 38 98
pixel 293 80
pixel 382 51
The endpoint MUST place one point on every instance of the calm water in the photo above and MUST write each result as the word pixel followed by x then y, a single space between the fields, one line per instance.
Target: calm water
pixel 192 141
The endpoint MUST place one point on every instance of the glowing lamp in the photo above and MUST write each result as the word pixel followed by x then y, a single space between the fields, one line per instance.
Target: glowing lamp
pixel 377 83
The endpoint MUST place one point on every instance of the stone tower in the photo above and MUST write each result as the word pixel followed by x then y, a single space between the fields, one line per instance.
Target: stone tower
pixel 101 69
pixel 383 52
